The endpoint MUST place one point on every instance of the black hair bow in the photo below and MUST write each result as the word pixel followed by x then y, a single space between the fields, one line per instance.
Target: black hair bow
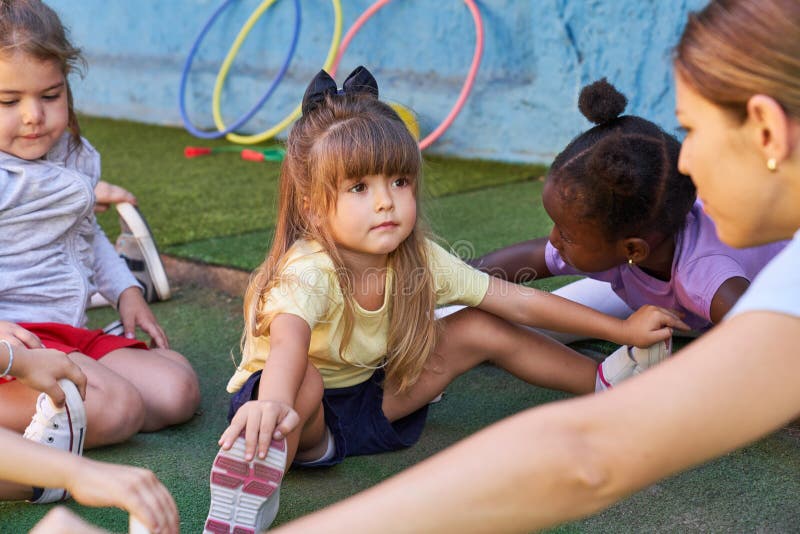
pixel 360 81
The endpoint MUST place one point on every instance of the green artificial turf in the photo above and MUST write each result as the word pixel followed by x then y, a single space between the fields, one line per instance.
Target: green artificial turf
pixel 218 195
pixel 752 490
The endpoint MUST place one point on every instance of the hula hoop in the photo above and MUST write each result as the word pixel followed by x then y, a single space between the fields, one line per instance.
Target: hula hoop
pixel 465 89
pixel 286 121
pixel 193 52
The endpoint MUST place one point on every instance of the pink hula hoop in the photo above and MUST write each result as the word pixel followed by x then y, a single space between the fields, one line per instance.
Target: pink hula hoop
pixel 465 89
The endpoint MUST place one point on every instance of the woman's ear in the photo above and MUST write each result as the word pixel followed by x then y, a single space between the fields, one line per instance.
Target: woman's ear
pixel 771 128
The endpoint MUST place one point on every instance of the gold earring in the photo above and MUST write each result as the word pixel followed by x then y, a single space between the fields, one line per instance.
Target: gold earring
pixel 630 261
pixel 772 164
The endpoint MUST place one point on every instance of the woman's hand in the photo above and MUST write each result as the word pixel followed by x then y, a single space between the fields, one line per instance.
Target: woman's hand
pixel 649 325
pixel 134 311
pixel 262 421
pixel 133 489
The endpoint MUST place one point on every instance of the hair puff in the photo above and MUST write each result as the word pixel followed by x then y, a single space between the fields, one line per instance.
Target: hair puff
pixel 601 102
pixel 619 162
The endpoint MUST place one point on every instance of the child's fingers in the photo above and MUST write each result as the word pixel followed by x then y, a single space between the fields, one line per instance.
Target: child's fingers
pixel 56 394
pixel 251 433
pixel 28 338
pixel 63 367
pixel 287 424
pixel 265 436
pixel 76 376
pixel 669 318
pixel 680 325
pixel 233 431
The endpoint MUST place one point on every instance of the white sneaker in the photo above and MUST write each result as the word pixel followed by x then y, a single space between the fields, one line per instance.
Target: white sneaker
pixel 652 355
pixel 245 495
pixel 627 361
pixel 63 428
pixel 137 246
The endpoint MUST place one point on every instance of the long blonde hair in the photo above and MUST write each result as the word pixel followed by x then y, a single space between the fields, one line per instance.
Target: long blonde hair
pixel 346 137
pixel 31 27
pixel 734 49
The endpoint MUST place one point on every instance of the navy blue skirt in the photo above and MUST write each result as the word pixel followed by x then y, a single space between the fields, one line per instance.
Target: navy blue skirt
pixel 355 418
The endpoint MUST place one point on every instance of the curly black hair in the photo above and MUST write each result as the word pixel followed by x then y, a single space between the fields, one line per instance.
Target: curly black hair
pixel 622 174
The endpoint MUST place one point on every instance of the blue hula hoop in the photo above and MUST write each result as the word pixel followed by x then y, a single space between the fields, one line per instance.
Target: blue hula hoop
pixel 247 116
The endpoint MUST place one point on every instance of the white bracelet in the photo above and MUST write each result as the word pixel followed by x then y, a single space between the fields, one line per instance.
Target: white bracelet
pixel 10 357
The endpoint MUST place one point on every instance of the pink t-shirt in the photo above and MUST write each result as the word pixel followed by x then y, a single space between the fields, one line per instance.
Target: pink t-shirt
pixel 699 267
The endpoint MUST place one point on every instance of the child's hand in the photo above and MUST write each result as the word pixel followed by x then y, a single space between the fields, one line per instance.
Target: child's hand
pixel 649 325
pixel 262 421
pixel 40 369
pixel 16 335
pixel 134 311
pixel 106 194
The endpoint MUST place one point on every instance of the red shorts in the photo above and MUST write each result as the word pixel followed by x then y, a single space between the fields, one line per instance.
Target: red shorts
pixel 93 343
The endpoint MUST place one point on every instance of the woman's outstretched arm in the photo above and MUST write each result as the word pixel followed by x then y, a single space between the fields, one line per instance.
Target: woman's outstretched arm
pixel 570 459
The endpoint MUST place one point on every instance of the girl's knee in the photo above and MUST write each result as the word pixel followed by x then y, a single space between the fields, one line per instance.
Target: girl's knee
pixel 174 357
pixel 114 412
pixel 472 326
pixel 182 398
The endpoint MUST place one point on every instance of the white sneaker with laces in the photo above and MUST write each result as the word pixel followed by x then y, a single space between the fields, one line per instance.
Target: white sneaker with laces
pixel 63 428
pixel 138 248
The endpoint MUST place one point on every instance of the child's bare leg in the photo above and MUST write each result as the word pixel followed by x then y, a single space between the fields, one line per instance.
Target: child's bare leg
pixel 165 380
pixel 471 337
pixel 114 408
pixel 10 491
pixel 308 441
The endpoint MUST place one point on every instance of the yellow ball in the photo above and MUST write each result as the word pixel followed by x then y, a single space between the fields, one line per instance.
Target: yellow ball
pixel 408 118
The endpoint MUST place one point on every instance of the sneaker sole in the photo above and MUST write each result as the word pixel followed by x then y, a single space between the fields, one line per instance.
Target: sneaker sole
pixel 245 495
pixel 144 237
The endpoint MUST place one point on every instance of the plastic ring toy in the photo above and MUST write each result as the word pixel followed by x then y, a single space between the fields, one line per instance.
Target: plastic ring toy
pixel 408 118
pixel 187 67
pixel 286 121
pixel 465 89
pixel 237 44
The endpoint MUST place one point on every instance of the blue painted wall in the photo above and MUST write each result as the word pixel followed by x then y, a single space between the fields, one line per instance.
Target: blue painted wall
pixel 537 56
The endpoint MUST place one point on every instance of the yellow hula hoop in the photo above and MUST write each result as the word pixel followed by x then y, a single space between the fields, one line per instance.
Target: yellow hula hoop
pixel 223 74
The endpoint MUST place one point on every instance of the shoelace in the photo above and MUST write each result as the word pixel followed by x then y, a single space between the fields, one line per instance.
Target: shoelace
pixel 36 432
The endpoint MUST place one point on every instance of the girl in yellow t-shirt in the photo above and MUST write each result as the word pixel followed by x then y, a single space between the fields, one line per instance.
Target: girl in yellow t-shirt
pixel 341 352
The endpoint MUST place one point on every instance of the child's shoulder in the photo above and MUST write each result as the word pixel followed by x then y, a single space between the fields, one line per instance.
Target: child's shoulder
pixel 83 158
pixel 307 260
pixel 307 251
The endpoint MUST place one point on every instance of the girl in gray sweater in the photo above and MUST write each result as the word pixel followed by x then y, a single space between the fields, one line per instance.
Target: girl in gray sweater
pixel 53 254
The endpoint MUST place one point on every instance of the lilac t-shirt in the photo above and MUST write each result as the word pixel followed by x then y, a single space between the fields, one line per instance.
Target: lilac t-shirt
pixel 699 267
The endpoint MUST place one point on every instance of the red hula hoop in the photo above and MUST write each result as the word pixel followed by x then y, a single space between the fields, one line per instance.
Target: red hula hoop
pixel 465 89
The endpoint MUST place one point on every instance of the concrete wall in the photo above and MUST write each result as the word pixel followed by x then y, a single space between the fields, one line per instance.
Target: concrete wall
pixel 537 56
